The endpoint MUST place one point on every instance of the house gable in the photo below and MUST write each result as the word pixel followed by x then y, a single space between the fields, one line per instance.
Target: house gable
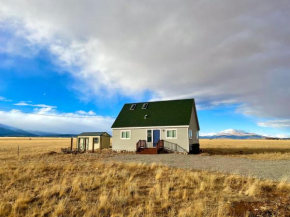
pixel 161 113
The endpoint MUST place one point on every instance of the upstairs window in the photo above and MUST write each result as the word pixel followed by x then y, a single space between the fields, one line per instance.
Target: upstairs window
pixel 171 134
pixel 145 105
pixel 133 106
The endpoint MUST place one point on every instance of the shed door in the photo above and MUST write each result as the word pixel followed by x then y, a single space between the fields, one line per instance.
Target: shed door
pixel 84 144
pixel 96 142
pixel 87 143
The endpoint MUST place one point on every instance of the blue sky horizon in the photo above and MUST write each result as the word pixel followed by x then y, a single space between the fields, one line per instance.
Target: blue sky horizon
pixel 58 74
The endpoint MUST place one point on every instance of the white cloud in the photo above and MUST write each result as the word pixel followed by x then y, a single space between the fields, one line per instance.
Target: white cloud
pixel 285 123
pixel 281 136
pixel 216 52
pixel 45 119
pixel 44 110
pixel 4 99
pixel 86 113
pixel 23 103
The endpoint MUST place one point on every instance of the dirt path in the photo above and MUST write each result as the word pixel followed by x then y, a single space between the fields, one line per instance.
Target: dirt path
pixel 274 170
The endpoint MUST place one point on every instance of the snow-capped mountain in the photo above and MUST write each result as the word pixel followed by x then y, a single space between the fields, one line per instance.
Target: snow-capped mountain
pixel 231 134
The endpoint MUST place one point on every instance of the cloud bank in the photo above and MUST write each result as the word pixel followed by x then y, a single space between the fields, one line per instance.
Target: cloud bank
pixel 284 123
pixel 221 51
pixel 45 119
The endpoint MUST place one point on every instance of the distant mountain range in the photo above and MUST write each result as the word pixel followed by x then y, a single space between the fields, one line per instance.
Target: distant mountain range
pixel 232 134
pixel 8 131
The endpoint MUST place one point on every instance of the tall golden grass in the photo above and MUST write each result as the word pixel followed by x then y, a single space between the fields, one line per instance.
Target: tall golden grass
pixel 70 185
pixel 31 146
pixel 46 183
pixel 254 149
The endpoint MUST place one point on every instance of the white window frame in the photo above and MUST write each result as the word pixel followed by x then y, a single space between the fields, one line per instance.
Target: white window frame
pixel 151 135
pixel 125 131
pixel 197 135
pixel 171 137
pixel 190 134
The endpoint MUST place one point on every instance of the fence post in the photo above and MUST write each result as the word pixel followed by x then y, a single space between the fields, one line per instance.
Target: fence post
pixel 18 151
pixel 71 143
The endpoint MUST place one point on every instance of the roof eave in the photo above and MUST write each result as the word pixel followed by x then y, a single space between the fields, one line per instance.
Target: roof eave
pixel 146 127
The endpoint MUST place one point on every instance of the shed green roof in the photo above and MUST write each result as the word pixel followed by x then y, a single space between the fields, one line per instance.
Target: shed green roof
pixel 94 134
pixel 160 113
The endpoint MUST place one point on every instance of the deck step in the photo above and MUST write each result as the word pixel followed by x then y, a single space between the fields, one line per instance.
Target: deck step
pixel 147 151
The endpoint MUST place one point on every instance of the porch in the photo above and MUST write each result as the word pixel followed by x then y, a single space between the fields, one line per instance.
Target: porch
pixel 143 148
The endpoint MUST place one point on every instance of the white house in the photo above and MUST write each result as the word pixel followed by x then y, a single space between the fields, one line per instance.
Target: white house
pixel 143 127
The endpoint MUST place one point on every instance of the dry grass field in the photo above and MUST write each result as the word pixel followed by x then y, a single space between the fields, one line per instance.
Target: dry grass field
pixel 253 149
pixel 44 182
pixel 30 146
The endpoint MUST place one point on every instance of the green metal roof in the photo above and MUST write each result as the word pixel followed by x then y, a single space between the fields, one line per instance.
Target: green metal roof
pixel 161 113
pixel 94 134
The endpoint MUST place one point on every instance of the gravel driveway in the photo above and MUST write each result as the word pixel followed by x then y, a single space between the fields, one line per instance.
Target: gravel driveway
pixel 275 170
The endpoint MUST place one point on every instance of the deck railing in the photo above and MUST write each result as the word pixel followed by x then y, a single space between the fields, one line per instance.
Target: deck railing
pixel 160 145
pixel 140 144
pixel 173 147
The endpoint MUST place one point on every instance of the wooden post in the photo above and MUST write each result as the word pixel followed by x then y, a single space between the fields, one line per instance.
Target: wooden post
pixel 93 145
pixel 18 151
pixel 78 144
pixel 71 143
pixel 101 143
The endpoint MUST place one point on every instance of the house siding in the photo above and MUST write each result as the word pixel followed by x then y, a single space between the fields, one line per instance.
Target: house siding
pixel 193 126
pixel 141 134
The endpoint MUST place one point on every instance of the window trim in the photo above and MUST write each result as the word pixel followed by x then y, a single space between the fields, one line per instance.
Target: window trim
pixel 171 137
pixel 125 131
pixel 190 134
pixel 197 135
pixel 151 135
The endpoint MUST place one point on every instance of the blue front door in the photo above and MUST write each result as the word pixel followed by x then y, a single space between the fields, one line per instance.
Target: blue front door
pixel 156 137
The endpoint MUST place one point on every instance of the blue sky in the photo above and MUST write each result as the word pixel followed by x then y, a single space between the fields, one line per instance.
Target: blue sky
pixel 53 65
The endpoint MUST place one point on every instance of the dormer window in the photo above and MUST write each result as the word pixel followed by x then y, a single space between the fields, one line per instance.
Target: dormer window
pixel 145 105
pixel 133 106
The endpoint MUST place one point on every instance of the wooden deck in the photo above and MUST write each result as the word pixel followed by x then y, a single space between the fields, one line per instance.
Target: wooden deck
pixel 147 151
pixel 141 147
